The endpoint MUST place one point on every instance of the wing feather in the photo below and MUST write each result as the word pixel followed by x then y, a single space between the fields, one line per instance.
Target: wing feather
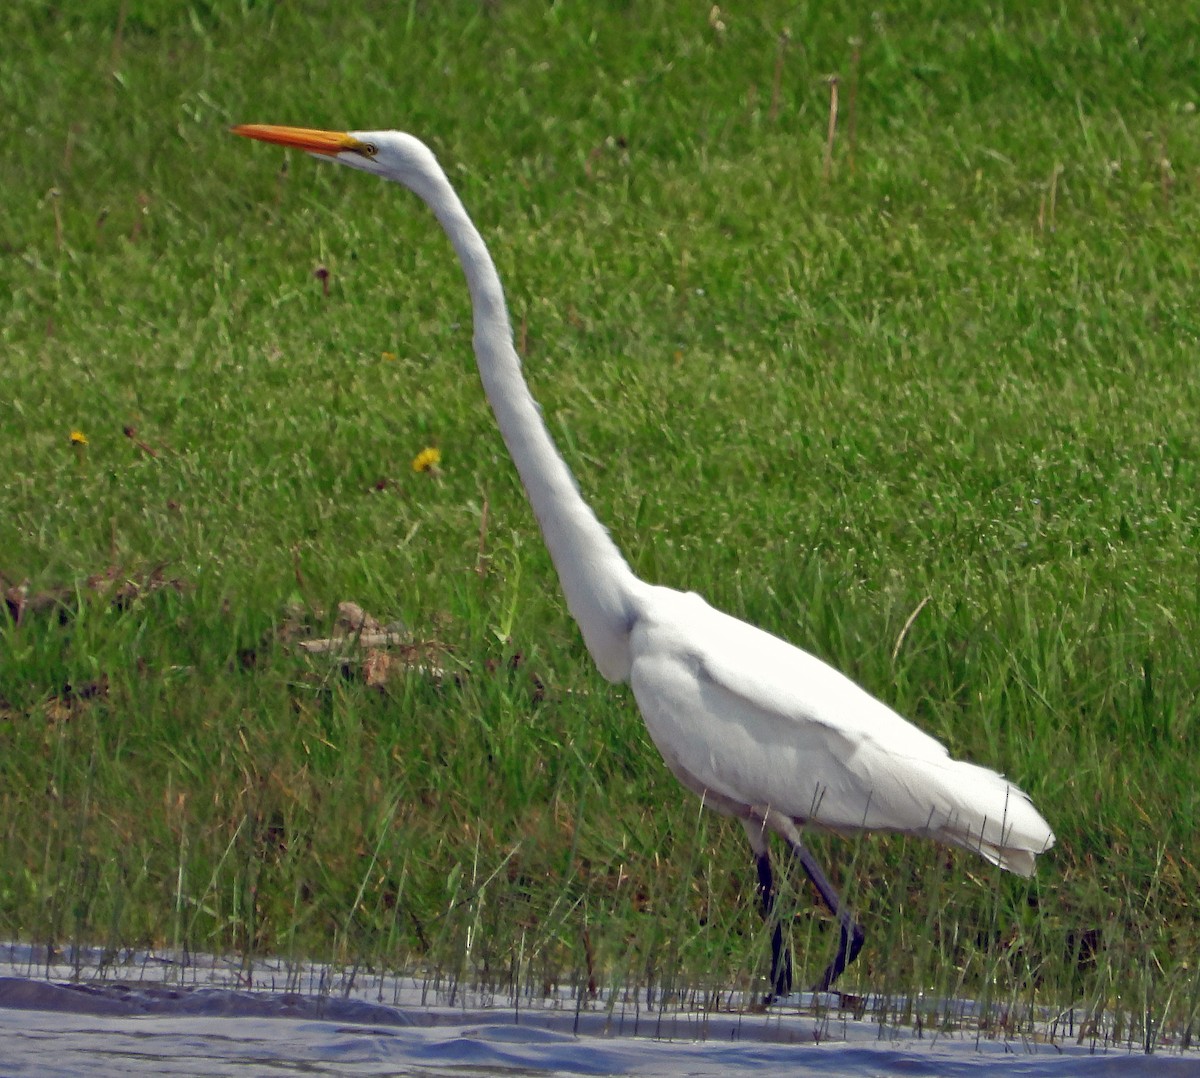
pixel 751 720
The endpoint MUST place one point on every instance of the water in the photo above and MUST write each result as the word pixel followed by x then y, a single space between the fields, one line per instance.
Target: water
pixel 152 1015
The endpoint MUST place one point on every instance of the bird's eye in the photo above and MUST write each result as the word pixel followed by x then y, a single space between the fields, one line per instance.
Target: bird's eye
pixel 368 149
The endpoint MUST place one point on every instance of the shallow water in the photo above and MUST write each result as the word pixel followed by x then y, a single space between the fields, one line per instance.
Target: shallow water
pixel 150 1015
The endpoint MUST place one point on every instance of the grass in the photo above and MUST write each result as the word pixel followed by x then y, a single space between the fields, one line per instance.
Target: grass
pixel 945 366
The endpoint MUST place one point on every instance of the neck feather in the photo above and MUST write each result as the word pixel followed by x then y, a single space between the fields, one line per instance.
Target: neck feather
pixel 599 585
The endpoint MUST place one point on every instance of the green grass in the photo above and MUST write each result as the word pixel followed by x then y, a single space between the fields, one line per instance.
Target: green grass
pixel 958 371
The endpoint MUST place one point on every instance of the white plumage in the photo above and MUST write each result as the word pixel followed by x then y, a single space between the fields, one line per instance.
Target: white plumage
pixel 748 720
pixel 761 730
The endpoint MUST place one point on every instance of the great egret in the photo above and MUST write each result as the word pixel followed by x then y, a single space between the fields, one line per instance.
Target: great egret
pixel 759 729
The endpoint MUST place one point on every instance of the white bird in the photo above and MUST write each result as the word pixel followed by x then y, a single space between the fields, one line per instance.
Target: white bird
pixel 759 729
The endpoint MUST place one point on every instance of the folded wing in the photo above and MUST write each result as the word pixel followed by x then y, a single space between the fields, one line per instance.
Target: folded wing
pixel 754 722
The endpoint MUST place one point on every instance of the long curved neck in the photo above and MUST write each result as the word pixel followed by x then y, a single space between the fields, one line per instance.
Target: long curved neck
pixel 599 585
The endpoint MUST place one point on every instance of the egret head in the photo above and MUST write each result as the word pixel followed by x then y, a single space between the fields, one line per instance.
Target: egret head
pixel 390 154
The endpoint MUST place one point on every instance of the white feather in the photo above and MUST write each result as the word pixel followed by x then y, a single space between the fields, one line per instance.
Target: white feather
pixel 753 723
pixel 758 728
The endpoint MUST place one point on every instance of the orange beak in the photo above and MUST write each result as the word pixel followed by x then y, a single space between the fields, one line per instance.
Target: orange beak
pixel 330 143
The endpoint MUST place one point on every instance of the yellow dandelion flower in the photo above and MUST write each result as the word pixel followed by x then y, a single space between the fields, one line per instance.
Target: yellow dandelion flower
pixel 78 438
pixel 427 460
pixel 390 357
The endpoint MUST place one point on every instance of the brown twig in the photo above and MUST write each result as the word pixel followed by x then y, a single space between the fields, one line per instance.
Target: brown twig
pixel 348 640
pixel 908 625
pixel 131 434
pixel 832 134
pixel 852 104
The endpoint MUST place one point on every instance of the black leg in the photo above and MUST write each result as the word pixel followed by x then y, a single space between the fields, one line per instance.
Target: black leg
pixel 851 936
pixel 781 956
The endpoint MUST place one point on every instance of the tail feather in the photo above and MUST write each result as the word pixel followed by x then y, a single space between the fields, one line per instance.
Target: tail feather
pixel 1014 859
pixel 994 819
